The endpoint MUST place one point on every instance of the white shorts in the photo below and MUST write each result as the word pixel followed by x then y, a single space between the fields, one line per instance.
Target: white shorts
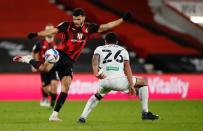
pixel 117 84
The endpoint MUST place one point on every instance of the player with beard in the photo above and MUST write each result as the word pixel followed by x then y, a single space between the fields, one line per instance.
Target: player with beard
pixel 75 36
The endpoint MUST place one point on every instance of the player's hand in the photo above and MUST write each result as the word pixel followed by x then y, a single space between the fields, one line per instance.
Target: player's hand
pixel 132 90
pixel 101 75
pixel 127 16
pixel 32 35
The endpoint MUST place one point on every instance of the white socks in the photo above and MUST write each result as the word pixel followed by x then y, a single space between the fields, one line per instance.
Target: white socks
pixel 91 103
pixel 143 96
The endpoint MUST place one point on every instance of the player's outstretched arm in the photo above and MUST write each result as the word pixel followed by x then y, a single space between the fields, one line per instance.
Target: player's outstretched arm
pixel 128 73
pixel 43 33
pixel 112 24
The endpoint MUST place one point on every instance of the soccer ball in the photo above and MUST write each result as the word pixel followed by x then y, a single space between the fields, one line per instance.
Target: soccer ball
pixel 51 56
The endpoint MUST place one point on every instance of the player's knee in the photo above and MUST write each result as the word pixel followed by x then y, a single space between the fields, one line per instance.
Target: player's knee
pixel 54 83
pixel 145 81
pixel 98 96
pixel 45 88
pixel 65 87
pixel 66 81
pixel 141 82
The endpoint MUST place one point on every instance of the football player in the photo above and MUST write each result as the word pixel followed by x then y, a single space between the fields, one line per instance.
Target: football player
pixel 112 67
pixel 49 79
pixel 75 36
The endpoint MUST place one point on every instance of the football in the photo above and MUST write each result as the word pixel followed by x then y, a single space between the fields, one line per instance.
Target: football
pixel 51 56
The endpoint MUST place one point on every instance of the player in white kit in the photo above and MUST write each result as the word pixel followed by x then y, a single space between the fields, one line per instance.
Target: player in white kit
pixel 112 67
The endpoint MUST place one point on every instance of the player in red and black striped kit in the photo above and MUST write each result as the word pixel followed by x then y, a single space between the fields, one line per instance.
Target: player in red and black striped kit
pixel 49 79
pixel 75 36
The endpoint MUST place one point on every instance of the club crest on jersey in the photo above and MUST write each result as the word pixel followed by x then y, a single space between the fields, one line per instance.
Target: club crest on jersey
pixel 79 36
pixel 86 30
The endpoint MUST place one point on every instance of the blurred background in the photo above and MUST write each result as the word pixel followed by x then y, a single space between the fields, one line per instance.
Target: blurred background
pixel 164 39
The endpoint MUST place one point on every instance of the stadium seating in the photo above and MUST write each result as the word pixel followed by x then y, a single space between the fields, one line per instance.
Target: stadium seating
pixel 142 15
pixel 20 17
pixel 136 36
pixel 132 35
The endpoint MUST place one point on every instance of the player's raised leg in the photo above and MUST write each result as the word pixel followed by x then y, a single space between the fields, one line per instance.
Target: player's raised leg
pixel 42 66
pixel 23 59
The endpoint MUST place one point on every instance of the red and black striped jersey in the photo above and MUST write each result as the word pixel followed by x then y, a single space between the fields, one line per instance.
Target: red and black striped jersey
pixel 42 45
pixel 75 38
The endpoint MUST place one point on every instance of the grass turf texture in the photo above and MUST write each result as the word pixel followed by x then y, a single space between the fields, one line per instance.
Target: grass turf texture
pixel 107 116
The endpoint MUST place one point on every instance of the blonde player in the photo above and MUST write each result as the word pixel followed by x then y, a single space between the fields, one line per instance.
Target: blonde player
pixel 112 67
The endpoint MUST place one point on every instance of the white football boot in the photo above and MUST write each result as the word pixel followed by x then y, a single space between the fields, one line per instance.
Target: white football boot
pixel 45 102
pixel 54 117
pixel 23 59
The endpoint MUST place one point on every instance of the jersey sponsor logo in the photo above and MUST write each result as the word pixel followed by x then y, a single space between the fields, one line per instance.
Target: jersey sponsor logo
pixel 75 40
pixel 112 68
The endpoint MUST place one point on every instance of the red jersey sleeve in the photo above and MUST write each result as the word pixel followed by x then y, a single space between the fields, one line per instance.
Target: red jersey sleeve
pixel 62 27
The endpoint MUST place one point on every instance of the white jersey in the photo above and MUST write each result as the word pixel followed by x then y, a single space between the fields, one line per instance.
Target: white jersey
pixel 112 59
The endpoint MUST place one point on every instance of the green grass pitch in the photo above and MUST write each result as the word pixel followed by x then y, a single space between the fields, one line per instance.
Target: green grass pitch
pixel 107 116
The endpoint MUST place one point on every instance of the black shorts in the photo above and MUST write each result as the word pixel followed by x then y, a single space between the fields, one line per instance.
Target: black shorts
pixel 47 77
pixel 64 65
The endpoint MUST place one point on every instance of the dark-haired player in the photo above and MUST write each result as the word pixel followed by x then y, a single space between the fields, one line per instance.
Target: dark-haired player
pixel 112 67
pixel 75 36
pixel 49 79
